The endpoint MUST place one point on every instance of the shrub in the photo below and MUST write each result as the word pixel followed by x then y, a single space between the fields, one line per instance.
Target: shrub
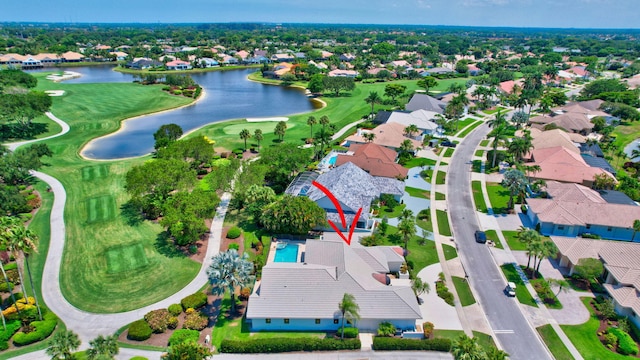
pixel 139 331
pixel 42 330
pixel 234 246
pixel 428 327
pixel 175 309
pixel 194 301
pixel 158 320
pixel 5 335
pixel 234 233
pixel 139 358
pixel 172 323
pixel 610 339
pixel 4 287
pixel 245 293
pixel 195 321
pixel 278 345
pixel 443 292
pixel 386 329
pixel 349 332
pixel 626 345
pixel 182 335
pixel 386 343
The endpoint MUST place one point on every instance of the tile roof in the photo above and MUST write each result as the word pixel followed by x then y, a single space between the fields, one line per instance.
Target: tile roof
pixel 425 102
pixel 420 118
pixel 559 163
pixel 375 159
pixel 570 121
pixel 388 134
pixel 313 289
pixel 552 138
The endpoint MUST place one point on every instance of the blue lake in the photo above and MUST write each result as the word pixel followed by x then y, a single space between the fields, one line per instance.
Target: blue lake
pixel 229 95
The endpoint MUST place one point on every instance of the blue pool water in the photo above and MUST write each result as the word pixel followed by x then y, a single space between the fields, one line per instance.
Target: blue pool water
pixel 288 253
pixel 332 159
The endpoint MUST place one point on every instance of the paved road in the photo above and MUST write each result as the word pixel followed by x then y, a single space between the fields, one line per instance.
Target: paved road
pixel 513 331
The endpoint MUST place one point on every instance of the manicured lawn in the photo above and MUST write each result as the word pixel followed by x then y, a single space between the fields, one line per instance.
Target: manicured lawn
pixel 626 132
pixel 419 162
pixel 391 213
pixel 448 152
pixel 484 142
pixel 464 291
pixel 415 192
pixel 555 345
pixel 465 122
pixel 93 277
pixel 479 153
pixel 478 199
pixel 424 224
pixel 522 293
pixel 441 177
pixel 493 236
pixel 420 256
pixel 493 111
pixel 443 223
pixel 52 128
pixel 584 338
pixel 469 129
pixel 440 196
pixel 512 240
pixel 498 196
pixel 449 252
pixel 483 339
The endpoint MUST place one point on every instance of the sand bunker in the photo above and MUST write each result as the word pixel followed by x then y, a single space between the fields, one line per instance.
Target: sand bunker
pixel 54 92
pixel 65 76
pixel 267 119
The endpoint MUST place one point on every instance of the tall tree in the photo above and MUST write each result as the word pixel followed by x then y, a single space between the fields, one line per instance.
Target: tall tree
pixel 519 147
pixel 166 134
pixel 292 215
pixel 280 130
pixel 311 120
pixel 528 237
pixel 394 91
pixel 411 129
pixel 373 99
pixel 63 344
pixel 498 134
pixel 258 136
pixel 427 83
pixel 349 310
pixel 515 181
pixel 466 348
pixel 324 121
pixel 103 347
pixel 244 135
pixel 407 228
pixel 548 249
pixel 229 271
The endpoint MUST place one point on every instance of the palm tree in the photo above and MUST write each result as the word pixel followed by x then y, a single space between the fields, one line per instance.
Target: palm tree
pixel 519 147
pixel 324 137
pixel 636 228
pixel 348 310
pixel 369 136
pixel 493 353
pixel 6 225
pixel 63 344
pixel 420 287
pixel 244 135
pixel 280 130
pixel 406 146
pixel 562 284
pixel 258 136
pixel 229 271
pixel 516 182
pixel 466 348
pixel 548 249
pixel 498 120
pixel 498 134
pixel 411 129
pixel 528 237
pixel 324 121
pixel 373 99
pixel 457 88
pixel 407 228
pixel 311 120
pixel 22 241
pixel 103 347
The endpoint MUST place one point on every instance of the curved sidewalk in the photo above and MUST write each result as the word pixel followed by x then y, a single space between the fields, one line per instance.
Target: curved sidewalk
pixel 88 325
pixel 65 129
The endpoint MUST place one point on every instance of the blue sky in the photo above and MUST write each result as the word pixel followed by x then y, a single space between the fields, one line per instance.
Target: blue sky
pixel 518 13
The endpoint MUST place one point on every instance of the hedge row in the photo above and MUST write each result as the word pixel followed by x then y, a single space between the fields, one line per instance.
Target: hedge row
pixel 278 345
pixel 349 332
pixel 182 335
pixel 387 343
pixel 5 335
pixel 139 331
pixel 194 301
pixel 42 330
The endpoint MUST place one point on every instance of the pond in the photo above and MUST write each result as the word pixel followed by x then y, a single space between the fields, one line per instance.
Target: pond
pixel 229 95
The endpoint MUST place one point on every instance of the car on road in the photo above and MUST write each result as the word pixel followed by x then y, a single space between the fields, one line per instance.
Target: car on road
pixel 448 143
pixel 510 290
pixel 481 237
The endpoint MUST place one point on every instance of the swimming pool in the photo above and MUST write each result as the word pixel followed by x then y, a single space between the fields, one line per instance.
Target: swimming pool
pixel 288 253
pixel 332 159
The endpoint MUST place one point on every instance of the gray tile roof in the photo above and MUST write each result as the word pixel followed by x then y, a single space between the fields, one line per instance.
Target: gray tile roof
pixel 314 289
pixel 425 102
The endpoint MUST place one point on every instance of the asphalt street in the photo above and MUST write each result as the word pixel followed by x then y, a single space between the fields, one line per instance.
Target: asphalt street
pixel 513 331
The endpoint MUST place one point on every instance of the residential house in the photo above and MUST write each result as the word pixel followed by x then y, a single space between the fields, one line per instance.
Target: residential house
pixel 436 71
pixel 208 62
pixel 425 102
pixel 282 58
pixel 30 62
pixel 304 296
pixel 320 65
pixel 571 121
pixel 343 73
pixel 474 70
pixel 573 210
pixel 622 269
pixel 178 65
pixel 228 59
pixel 507 86
pixel 347 57
pixel 142 64
pixel 242 54
pixel 389 135
pixel 119 55
pixel 71 56
pixel 353 188
pixel 12 59
pixel 550 139
pixel 325 55
pixel 561 164
pixel 420 118
pixel 374 159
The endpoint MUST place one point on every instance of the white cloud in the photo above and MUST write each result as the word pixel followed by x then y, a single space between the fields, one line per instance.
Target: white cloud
pixel 423 4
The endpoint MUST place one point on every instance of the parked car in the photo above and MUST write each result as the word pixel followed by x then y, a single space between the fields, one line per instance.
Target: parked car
pixel 448 143
pixel 510 290
pixel 481 237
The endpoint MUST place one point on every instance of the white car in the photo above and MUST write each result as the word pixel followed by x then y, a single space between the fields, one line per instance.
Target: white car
pixel 510 289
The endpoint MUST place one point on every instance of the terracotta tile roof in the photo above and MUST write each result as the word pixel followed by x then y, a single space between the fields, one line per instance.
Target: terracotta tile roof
pixel 389 134
pixel 70 55
pixel 507 86
pixel 375 159
pixel 584 212
pixel 572 192
pixel 559 163
pixel 575 122
pixel 553 138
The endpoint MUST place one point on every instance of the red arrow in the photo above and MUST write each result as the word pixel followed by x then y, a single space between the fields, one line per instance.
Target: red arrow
pixel 336 203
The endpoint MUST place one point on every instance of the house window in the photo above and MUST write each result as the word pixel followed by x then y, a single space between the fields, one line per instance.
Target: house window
pixel 317 321
pixel 609 228
pixel 335 321
pixel 286 321
pixel 588 226
pixel 268 321
pixel 560 227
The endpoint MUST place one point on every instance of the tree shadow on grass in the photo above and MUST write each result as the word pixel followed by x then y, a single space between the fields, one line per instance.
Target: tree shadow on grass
pixel 165 246
pixel 131 214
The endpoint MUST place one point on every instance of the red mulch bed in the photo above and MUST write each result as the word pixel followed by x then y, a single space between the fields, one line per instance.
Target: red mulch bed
pixel 225 242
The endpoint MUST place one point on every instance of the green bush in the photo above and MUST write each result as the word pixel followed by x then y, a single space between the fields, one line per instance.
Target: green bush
pixel 158 320
pixel 626 345
pixel 173 323
pixel 195 321
pixel 139 331
pixel 349 332
pixel 234 246
pixel 175 309
pixel 428 327
pixel 5 335
pixel 138 358
pixel 42 331
pixel 387 343
pixel 194 301
pixel 234 233
pixel 278 345
pixel 10 266
pixel 182 335
pixel 443 292
pixel 610 339
pixel 386 329
pixel 4 287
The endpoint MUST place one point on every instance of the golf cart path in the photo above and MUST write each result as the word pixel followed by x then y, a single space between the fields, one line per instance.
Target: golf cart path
pixel 65 129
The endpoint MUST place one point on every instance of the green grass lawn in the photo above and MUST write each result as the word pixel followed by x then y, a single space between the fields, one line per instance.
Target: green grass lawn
pixel 469 129
pixel 448 152
pixel 512 240
pixel 443 223
pixel 478 198
pixel 521 291
pixel 479 153
pixel 449 252
pixel 391 213
pixel 419 162
pixel 584 338
pixel 440 196
pixel 441 177
pixel 493 236
pixel 464 291
pixel 554 343
pixel 419 193
pixel 425 224
pixel 110 266
pixel 52 128
pixel 498 196
pixel 493 111
pixel 484 142
pixel 419 255
pixel 483 339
